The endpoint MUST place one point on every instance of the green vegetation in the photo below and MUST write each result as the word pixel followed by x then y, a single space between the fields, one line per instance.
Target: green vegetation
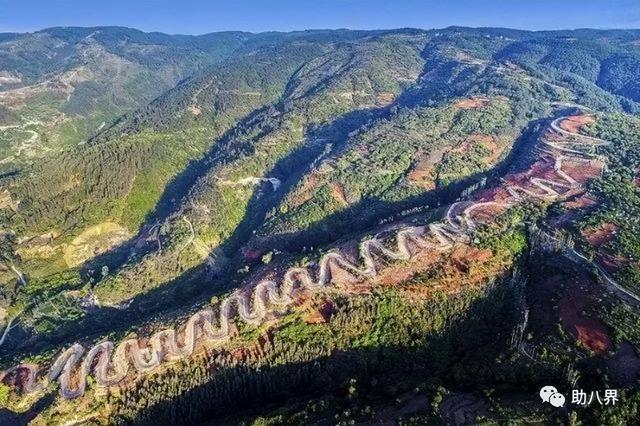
pixel 601 73
pixel 508 233
pixel 394 160
pixel 625 323
pixel 206 160
pixel 360 358
pixel 279 143
pixel 618 193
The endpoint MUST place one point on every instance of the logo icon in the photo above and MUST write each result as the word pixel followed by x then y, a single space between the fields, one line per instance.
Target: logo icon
pixel 551 395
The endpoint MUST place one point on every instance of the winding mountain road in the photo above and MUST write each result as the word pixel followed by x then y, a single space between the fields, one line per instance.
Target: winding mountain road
pixel 109 364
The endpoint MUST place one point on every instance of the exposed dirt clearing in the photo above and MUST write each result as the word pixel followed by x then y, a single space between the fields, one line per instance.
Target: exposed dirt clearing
pixel 385 98
pixel 612 263
pixel 337 192
pixel 306 191
pixel 320 314
pixel 600 235
pixel 422 176
pixel 94 241
pixel 584 201
pixel 432 271
pixel 471 103
pixel 194 110
pixel 498 194
pixel 6 202
pixel 582 171
pixel 472 60
pixel 401 273
pixel 574 123
pixel 590 332
pixel 463 257
pixel 422 173
pixel 487 214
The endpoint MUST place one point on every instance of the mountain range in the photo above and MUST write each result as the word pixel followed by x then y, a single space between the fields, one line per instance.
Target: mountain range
pixel 145 175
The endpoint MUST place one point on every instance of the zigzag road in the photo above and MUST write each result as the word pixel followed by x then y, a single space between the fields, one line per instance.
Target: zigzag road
pixel 110 364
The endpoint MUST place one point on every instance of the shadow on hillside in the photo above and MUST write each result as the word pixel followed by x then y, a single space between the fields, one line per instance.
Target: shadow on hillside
pixel 195 287
pixel 171 199
pixel 461 356
pixel 11 418
pixel 367 212
pixel 197 284
pixel 290 170
pixel 485 323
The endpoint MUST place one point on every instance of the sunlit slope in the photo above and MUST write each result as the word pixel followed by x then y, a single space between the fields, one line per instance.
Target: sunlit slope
pixel 250 168
pixel 292 141
pixel 61 85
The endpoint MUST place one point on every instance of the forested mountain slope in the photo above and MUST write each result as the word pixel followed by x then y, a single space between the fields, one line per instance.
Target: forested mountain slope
pixel 60 86
pixel 228 158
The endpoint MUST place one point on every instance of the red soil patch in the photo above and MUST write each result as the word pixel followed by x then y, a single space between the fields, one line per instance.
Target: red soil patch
pixel 401 273
pixel 574 123
pixel 432 271
pixel 612 263
pixel 337 192
pixel 305 193
pixel 497 194
pixel 255 350
pixel 545 169
pixel 464 256
pixel 582 171
pixel 589 331
pixel 542 168
pixel 422 177
pixel 600 235
pixel 487 214
pixel 582 202
pixel 422 174
pixel 575 207
pixel 495 150
pixel 471 103
pixel 488 142
pixel 385 98
pixel 321 314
